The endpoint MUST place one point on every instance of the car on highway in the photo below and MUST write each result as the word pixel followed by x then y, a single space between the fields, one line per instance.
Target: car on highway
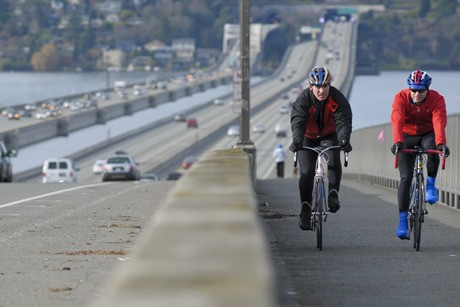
pixel 59 170
pixel 192 123
pixel 188 162
pixel 281 130
pixel 149 177
pixel 218 102
pixel 173 176
pixel 120 167
pixel 233 130
pixel 6 166
pixel 97 166
pixel 284 109
pixel 258 128
pixel 180 117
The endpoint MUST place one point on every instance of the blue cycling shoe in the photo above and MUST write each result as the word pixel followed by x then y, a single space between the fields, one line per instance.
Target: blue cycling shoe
pixel 431 191
pixel 403 228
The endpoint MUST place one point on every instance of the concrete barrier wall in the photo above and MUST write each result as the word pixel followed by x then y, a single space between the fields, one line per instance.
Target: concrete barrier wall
pixel 204 246
pixel 81 120
pixel 372 161
pixel 42 130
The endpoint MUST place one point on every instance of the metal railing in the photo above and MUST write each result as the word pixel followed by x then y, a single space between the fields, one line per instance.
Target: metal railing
pixel 371 160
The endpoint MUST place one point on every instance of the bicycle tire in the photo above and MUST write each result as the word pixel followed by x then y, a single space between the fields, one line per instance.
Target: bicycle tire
pixel 418 212
pixel 413 199
pixel 319 214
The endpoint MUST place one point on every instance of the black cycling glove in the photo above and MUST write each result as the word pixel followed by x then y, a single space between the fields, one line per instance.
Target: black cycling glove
pixel 346 146
pixel 396 147
pixel 442 147
pixel 296 145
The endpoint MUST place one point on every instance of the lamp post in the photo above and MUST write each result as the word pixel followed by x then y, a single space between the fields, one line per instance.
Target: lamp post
pixel 245 72
pixel 245 143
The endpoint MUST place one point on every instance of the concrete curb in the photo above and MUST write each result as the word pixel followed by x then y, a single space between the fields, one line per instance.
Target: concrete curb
pixel 204 247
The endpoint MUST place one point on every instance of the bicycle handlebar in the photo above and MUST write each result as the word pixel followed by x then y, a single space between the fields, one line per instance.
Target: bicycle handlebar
pixel 422 151
pixel 321 150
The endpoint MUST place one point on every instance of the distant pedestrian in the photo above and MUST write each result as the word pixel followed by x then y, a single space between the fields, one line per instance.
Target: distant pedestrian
pixel 280 156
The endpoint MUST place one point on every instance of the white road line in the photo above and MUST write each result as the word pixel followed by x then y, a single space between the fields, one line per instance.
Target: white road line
pixel 49 194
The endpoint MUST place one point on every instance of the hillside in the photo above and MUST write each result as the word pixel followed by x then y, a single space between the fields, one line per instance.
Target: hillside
pixel 44 35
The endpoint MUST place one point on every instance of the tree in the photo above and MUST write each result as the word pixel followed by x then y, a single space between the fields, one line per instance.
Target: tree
pixel 425 7
pixel 74 32
pixel 46 59
pixel 5 11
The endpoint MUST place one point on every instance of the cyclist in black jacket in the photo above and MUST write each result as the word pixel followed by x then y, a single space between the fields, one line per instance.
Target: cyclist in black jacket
pixel 321 114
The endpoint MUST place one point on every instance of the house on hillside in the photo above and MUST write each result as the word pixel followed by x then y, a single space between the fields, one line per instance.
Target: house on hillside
pixel 154 45
pixel 185 53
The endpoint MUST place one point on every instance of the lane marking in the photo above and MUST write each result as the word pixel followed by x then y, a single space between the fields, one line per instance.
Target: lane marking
pixel 50 194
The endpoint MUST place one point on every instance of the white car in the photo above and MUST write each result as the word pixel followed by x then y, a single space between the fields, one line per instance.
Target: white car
pixel 233 131
pixel 120 167
pixel 281 130
pixel 258 128
pixel 97 167
pixel 218 102
pixel 284 109
pixel 58 171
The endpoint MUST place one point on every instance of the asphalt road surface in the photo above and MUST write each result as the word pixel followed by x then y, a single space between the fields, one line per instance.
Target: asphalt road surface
pixel 59 248
pixel 362 262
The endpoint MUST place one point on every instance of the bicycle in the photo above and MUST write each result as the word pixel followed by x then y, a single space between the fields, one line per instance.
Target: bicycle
pixel 319 210
pixel 417 205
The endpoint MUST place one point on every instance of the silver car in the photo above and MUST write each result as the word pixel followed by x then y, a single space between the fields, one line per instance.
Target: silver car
pixel 120 167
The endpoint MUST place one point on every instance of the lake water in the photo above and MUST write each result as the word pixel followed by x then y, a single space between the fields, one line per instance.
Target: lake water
pixel 25 87
pixel 371 96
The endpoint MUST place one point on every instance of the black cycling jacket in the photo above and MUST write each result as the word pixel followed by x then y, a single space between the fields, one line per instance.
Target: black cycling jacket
pixel 305 108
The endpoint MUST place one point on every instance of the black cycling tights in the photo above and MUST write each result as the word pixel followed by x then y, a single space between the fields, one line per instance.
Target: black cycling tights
pixel 306 160
pixel 406 165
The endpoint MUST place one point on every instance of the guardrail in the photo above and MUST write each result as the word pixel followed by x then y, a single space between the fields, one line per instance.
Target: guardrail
pixel 36 132
pixel 204 247
pixel 371 160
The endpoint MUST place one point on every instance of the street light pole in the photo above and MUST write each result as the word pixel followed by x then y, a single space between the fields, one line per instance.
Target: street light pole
pixel 245 72
pixel 245 143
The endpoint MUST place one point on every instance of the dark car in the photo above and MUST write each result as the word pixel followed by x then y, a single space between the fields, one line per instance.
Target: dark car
pixel 173 176
pixel 6 168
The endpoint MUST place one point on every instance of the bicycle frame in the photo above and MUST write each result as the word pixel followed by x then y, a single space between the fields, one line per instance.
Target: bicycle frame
pixel 319 211
pixel 417 205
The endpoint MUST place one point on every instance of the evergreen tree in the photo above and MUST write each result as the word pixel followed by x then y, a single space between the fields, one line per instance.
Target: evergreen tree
pixel 425 7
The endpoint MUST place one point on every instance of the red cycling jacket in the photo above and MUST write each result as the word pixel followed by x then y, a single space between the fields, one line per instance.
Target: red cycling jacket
pixel 409 118
pixel 312 130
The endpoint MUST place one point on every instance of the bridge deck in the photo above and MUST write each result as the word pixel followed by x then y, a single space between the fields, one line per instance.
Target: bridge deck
pixel 362 262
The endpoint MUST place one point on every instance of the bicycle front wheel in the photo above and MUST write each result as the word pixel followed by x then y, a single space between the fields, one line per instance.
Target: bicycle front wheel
pixel 319 213
pixel 419 212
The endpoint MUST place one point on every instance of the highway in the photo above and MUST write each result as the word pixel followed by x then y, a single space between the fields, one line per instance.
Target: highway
pixel 62 241
pixel 74 227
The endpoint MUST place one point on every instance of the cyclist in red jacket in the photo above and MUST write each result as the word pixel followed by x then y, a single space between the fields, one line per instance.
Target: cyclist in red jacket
pixel 320 114
pixel 418 118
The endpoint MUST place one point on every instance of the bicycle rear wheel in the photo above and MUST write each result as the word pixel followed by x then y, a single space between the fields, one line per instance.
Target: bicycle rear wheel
pixel 418 212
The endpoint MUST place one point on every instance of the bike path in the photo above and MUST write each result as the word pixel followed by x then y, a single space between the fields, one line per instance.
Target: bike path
pixel 362 262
